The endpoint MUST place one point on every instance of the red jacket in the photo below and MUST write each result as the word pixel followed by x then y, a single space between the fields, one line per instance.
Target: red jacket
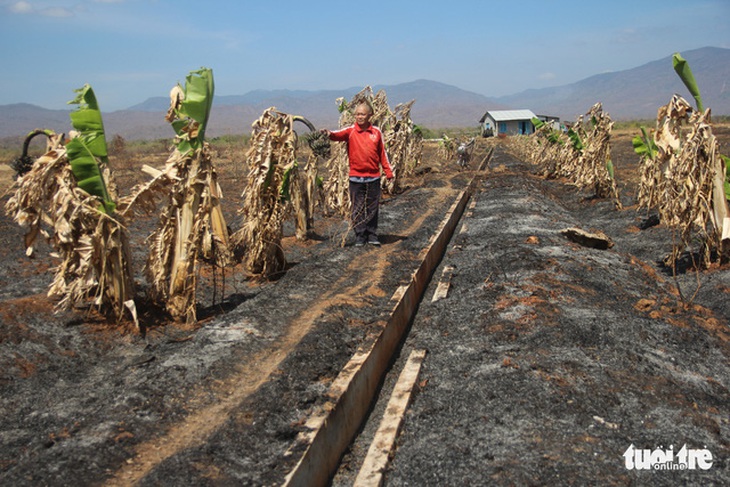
pixel 365 149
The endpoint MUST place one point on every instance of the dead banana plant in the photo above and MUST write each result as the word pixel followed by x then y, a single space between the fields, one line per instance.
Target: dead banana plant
pixel 404 141
pixel 304 191
pixel 583 155
pixel 595 169
pixel 275 186
pixel 682 176
pixel 313 184
pixel 192 226
pixel 447 148
pixel 69 191
pixel 545 150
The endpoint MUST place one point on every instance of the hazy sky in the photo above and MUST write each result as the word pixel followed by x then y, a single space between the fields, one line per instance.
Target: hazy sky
pixel 130 50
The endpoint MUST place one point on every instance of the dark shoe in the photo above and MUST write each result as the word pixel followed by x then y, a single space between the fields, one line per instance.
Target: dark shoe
pixel 374 241
pixel 359 243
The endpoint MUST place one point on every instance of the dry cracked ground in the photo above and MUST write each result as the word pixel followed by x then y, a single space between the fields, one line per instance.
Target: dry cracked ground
pixel 545 362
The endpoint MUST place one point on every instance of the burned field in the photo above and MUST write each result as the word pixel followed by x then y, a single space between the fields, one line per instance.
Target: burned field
pixel 545 361
pixel 580 353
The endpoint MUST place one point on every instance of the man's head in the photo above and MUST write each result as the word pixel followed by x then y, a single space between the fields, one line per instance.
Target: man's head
pixel 363 112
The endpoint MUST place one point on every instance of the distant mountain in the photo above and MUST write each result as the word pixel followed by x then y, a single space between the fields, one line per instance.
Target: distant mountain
pixel 437 105
pixel 21 118
pixel 635 93
pixel 631 94
pixel 440 105
pixel 256 98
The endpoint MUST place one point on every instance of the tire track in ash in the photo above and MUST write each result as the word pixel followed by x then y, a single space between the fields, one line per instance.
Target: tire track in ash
pixel 197 427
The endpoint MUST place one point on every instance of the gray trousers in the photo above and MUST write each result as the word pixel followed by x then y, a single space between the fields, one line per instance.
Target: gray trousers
pixel 365 199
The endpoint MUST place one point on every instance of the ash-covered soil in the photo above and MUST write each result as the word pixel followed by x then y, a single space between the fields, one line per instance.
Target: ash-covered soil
pixel 86 402
pixel 545 361
pixel 548 360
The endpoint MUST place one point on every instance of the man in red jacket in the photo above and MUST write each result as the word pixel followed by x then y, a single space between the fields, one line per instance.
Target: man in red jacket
pixel 366 153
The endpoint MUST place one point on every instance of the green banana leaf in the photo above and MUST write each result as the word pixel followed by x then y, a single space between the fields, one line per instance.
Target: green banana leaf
pixel 644 145
pixel 87 152
pixel 575 140
pixel 196 105
pixel 685 73
pixel 553 136
pixel 285 188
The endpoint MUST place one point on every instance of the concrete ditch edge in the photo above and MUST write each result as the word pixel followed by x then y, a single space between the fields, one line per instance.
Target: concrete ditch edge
pixel 357 385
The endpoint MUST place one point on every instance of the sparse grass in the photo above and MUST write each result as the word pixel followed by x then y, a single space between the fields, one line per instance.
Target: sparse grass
pixel 633 124
pixel 148 146
pixel 231 141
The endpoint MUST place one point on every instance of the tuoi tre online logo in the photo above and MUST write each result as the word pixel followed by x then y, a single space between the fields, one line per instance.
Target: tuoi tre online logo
pixel 659 459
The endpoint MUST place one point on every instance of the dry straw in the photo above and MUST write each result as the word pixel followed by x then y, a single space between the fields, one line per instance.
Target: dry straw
pixel 682 176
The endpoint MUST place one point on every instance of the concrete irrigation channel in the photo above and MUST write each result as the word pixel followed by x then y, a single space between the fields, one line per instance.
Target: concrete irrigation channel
pixel 478 346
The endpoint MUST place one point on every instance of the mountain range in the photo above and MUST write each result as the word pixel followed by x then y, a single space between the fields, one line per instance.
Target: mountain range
pixel 631 94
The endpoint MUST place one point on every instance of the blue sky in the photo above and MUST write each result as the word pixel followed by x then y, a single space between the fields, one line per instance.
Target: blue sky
pixel 130 50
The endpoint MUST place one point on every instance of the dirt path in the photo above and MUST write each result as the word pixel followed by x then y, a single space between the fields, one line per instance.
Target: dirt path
pixel 247 377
